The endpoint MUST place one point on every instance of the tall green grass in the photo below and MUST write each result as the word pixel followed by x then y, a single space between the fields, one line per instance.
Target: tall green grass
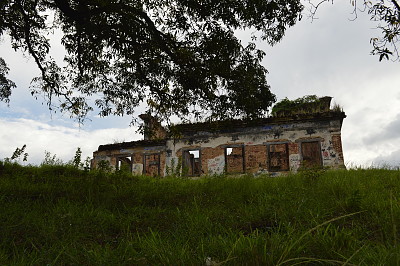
pixel 60 215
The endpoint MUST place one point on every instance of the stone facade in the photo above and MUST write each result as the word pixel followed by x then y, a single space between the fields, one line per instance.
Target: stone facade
pixel 272 145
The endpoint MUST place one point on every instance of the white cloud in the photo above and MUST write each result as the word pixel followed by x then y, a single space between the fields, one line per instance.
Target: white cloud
pixel 392 159
pixel 389 132
pixel 59 140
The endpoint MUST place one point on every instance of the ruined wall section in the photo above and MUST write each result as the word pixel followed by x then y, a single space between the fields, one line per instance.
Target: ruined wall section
pixel 140 157
pixel 255 140
pixel 152 128
pixel 255 158
pixel 103 156
pixel 270 145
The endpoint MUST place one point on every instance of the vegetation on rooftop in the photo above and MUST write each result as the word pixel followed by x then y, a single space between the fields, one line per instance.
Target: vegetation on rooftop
pixel 305 104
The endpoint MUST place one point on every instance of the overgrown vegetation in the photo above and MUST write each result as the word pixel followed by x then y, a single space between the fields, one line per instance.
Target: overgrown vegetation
pixel 62 215
pixel 50 159
pixel 305 104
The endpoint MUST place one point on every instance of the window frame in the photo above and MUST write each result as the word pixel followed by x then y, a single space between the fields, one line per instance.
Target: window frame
pixel 158 162
pixel 226 147
pixel 317 140
pixel 118 160
pixel 185 153
pixel 269 144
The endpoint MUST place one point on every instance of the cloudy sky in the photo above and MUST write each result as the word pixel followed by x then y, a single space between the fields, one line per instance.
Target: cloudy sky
pixel 329 56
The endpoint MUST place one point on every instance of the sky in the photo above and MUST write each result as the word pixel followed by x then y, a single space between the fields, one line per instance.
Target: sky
pixel 329 56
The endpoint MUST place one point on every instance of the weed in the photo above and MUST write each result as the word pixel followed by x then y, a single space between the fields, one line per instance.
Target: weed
pixel 104 166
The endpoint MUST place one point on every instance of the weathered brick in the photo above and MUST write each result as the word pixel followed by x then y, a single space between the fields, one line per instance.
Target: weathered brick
pixel 337 145
pixel 293 148
pixel 247 142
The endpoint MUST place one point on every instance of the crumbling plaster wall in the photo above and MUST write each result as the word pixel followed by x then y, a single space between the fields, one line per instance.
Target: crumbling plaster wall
pixel 248 148
pixel 255 139
pixel 137 156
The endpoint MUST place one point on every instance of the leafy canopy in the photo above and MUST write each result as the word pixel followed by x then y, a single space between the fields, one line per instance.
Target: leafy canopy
pixel 177 57
pixel 6 85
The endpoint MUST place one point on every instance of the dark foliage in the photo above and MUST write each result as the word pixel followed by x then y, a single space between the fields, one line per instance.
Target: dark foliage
pixel 179 57
pixel 388 12
pixel 6 85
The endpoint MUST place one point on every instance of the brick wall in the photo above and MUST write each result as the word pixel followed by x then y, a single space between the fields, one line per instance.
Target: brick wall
pixel 293 148
pixel 255 158
pixel 337 145
pixel 235 160
pixel 137 158
pixel 210 153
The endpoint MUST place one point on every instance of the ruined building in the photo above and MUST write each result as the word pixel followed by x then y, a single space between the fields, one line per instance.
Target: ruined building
pixel 307 138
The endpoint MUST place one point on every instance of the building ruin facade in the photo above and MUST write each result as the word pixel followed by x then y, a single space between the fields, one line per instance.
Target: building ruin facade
pixel 273 145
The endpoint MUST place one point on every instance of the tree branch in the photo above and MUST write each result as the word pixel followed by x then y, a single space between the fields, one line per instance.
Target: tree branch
pixel 83 18
pixel 67 10
pixel 396 5
pixel 52 85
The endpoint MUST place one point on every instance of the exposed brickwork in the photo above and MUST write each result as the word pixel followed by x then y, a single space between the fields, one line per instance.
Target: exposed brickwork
pixel 152 164
pixel 337 145
pixel 137 158
pixel 278 157
pixel 163 158
pixel 153 129
pixel 293 148
pixel 210 153
pixel 256 158
pixel 235 160
pixel 233 146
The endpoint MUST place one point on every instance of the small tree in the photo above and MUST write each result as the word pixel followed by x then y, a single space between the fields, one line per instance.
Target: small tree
pixel 76 161
pixel 18 153
pixel 86 164
pixel 50 159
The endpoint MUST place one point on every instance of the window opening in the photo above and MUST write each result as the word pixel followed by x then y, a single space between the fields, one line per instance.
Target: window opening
pixel 124 164
pixel 192 162
pixel 195 153
pixel 234 160
pixel 152 164
pixel 278 157
pixel 311 153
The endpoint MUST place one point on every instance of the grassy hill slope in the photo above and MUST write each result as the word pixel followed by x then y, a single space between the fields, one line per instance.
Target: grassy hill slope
pixel 61 215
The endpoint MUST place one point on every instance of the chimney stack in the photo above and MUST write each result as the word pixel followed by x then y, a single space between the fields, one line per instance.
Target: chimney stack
pixel 153 129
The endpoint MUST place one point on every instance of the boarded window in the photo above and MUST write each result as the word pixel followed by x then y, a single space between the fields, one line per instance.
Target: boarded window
pixel 311 152
pixel 124 164
pixel 192 162
pixel 152 164
pixel 234 160
pixel 278 157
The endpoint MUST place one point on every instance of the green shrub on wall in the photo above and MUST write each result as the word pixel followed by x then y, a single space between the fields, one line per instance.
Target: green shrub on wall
pixel 305 104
